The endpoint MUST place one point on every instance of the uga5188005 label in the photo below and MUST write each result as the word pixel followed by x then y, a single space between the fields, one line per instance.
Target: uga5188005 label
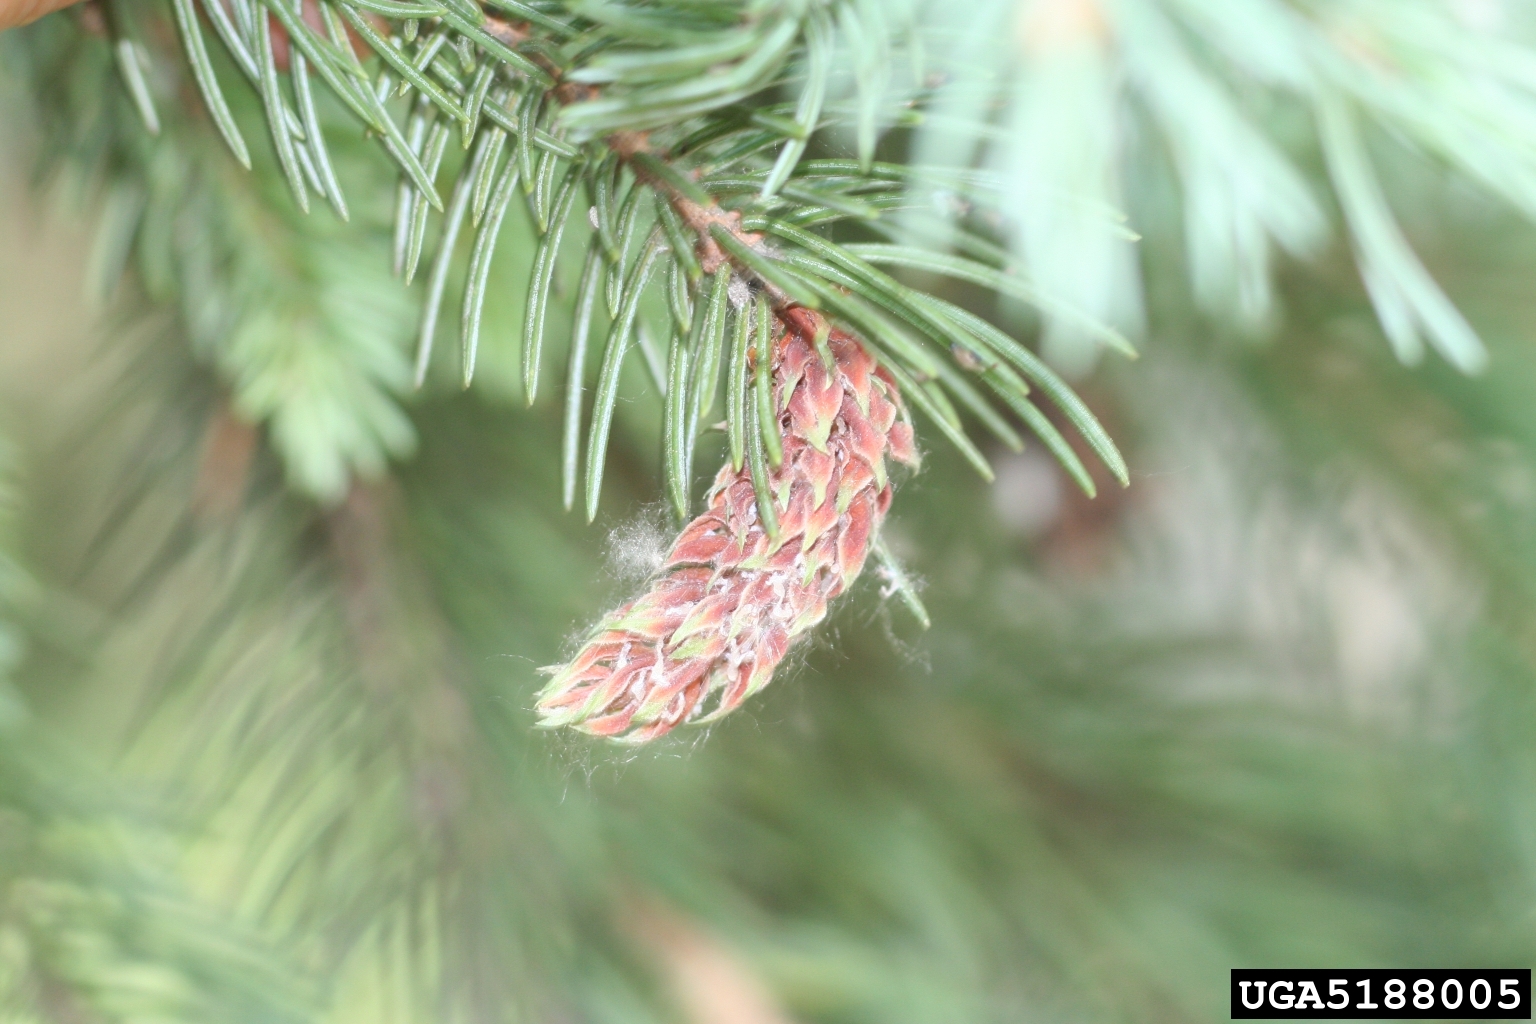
pixel 1367 994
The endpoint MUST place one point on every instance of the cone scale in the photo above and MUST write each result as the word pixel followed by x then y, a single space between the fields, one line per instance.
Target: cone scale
pixel 730 601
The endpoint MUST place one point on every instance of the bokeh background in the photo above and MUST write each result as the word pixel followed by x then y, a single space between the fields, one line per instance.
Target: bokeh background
pixel 268 758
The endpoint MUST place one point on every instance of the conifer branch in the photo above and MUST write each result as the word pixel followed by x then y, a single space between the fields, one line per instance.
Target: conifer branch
pixel 643 108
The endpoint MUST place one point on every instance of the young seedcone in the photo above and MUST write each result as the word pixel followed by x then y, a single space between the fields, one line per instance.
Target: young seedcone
pixel 738 588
